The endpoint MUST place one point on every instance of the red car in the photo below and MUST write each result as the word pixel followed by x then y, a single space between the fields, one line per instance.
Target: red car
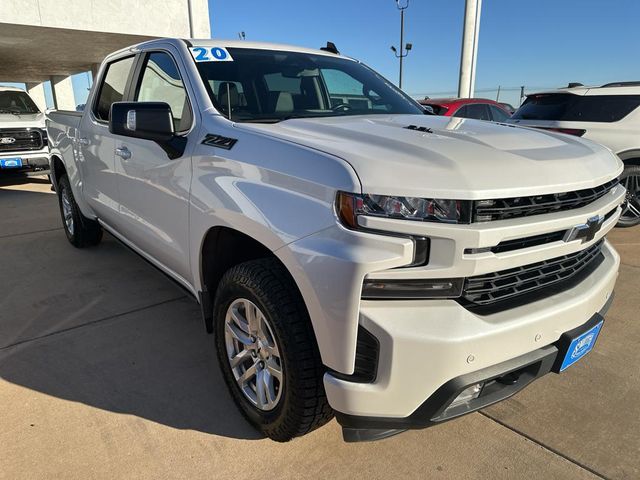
pixel 478 108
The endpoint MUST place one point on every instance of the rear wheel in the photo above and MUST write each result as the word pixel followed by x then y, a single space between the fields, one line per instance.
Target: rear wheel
pixel 80 230
pixel 630 178
pixel 267 351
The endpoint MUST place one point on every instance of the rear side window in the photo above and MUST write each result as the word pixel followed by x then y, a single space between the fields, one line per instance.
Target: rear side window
pixel 479 111
pixel 498 114
pixel 113 86
pixel 575 108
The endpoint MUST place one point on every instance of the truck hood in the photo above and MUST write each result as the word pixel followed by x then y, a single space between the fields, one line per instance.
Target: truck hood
pixel 8 120
pixel 455 158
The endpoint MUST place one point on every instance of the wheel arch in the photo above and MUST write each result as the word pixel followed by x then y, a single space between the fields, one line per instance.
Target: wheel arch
pixel 57 169
pixel 222 248
pixel 630 157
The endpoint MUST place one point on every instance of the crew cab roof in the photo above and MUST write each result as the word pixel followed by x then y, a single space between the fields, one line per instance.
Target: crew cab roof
pixel 208 42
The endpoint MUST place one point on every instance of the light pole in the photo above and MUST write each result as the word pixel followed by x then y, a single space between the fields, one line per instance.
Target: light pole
pixel 469 54
pixel 404 49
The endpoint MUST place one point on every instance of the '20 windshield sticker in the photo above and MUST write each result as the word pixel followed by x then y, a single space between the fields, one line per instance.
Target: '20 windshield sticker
pixel 210 54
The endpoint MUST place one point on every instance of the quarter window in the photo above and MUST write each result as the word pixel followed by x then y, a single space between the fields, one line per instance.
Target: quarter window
pixel 161 82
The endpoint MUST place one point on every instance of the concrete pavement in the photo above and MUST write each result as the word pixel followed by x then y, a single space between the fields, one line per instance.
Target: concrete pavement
pixel 105 372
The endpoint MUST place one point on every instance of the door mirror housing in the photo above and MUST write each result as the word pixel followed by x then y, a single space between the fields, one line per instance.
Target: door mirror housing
pixel 428 110
pixel 148 121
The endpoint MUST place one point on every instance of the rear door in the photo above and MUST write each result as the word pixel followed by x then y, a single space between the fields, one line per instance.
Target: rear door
pixel 154 190
pixel 95 143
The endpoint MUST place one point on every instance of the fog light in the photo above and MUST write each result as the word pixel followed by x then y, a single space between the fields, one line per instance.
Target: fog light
pixel 467 395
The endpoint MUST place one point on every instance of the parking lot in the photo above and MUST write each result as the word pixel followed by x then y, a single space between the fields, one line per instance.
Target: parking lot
pixel 106 372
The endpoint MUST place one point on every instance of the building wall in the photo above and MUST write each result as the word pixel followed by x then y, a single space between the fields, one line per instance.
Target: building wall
pixel 158 18
pixel 45 42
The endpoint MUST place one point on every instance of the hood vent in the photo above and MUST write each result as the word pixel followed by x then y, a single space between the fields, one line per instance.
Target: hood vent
pixel 419 129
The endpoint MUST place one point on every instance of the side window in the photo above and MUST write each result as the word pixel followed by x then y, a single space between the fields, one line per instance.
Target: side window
pixel 478 111
pixel 498 114
pixel 112 88
pixel 161 82
pixel 461 112
pixel 344 89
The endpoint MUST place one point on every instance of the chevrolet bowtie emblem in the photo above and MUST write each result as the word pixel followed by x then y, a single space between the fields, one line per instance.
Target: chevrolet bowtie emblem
pixel 586 231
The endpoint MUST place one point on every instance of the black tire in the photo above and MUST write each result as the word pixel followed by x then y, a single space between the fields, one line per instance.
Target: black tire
pixel 302 406
pixel 630 178
pixel 83 232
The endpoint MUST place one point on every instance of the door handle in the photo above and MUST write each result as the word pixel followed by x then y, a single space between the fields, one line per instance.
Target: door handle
pixel 123 152
pixel 83 141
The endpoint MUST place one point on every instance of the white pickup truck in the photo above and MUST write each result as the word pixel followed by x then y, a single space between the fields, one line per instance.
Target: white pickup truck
pixel 352 255
pixel 23 138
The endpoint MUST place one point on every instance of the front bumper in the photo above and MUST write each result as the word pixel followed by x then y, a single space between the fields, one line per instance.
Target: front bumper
pixel 37 161
pixel 424 345
pixel 499 382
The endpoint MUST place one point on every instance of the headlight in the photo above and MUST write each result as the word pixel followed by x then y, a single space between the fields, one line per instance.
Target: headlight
pixel 351 205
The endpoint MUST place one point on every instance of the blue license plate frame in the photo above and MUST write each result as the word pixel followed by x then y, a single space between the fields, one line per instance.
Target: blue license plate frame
pixel 581 345
pixel 13 162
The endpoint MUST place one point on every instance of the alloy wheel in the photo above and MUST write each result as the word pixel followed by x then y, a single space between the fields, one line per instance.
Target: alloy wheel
pixel 67 211
pixel 631 206
pixel 253 354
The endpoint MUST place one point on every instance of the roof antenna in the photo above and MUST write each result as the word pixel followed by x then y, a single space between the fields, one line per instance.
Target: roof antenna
pixel 331 48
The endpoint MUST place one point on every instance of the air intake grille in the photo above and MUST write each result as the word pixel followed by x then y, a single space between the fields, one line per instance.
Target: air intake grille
pixel 496 287
pixel 505 208
pixel 20 140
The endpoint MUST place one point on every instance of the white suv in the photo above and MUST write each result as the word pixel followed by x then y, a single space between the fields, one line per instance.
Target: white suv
pixel 608 115
pixel 23 138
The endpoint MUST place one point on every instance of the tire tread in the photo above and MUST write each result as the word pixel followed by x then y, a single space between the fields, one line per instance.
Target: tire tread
pixel 308 405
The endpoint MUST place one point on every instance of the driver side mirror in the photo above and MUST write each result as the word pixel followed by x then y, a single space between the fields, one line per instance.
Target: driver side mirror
pixel 147 121
pixel 428 110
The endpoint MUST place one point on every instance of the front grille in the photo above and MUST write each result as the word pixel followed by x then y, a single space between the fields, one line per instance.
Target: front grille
pixel 493 288
pixel 505 208
pixel 24 139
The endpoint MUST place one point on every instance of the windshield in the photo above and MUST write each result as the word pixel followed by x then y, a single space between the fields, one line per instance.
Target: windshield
pixel 12 101
pixel 271 86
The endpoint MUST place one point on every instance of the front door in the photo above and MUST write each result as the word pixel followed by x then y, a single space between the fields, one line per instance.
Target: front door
pixel 154 190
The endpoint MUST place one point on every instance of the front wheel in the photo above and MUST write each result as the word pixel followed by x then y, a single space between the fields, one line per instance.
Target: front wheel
pixel 80 230
pixel 267 351
pixel 630 178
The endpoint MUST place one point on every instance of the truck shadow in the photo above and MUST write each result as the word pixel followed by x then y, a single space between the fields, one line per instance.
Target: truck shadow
pixel 101 327
pixel 156 363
